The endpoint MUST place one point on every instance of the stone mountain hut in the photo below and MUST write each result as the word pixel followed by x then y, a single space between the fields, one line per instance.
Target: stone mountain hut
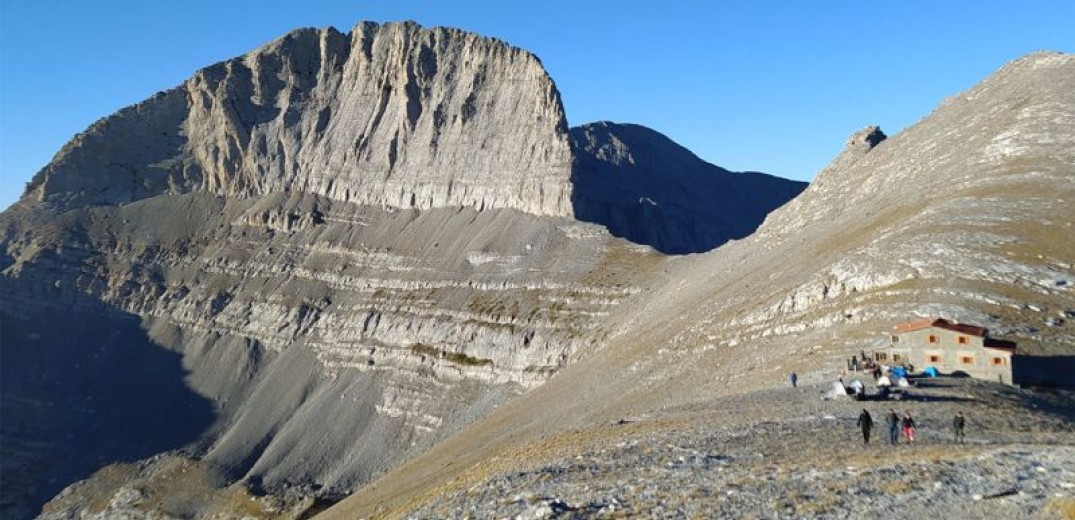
pixel 950 347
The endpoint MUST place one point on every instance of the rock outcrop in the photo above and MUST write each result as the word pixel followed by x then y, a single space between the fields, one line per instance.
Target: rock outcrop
pixel 644 187
pixel 389 115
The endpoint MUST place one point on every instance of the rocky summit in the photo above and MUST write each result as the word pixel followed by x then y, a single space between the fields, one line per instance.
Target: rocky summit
pixel 388 115
pixel 381 263
pixel 311 263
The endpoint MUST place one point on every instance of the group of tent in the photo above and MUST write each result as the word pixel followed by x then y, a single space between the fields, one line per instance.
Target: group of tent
pixel 855 387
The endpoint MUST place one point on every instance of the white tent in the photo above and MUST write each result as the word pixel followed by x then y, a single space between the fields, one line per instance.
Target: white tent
pixel 837 391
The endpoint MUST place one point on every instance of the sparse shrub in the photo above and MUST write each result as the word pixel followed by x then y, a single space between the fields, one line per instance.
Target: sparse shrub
pixel 458 358
pixel 896 487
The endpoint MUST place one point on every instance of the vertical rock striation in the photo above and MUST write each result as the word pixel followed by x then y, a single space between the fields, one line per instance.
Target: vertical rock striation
pixel 391 115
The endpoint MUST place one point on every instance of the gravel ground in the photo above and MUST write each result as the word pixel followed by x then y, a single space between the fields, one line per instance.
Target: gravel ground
pixel 788 454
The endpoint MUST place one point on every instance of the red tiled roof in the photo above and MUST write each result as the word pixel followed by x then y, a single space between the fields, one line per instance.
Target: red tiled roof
pixel 914 325
pixel 999 344
pixel 940 323
pixel 970 330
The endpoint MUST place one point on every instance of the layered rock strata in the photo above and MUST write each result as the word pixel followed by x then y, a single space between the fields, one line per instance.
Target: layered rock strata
pixel 307 264
pixel 319 257
pixel 965 215
pixel 289 331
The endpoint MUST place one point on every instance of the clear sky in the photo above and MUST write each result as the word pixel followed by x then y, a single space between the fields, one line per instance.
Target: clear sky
pixel 748 85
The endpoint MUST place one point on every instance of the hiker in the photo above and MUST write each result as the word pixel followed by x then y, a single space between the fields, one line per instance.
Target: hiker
pixel 866 423
pixel 908 427
pixel 893 427
pixel 957 426
pixel 794 378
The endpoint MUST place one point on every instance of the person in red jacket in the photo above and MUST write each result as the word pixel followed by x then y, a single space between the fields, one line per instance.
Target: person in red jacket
pixel 908 427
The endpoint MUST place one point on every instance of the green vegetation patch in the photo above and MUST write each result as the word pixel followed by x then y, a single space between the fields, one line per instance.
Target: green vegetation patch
pixel 457 358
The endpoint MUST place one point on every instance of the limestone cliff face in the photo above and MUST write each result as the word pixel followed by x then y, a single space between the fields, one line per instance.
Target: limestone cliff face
pixel 320 258
pixel 325 256
pixel 393 115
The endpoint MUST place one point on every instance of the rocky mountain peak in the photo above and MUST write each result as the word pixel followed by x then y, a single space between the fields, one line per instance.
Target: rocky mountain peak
pixel 388 115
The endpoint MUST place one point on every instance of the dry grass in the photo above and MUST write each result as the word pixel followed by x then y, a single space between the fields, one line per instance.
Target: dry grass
pixel 814 505
pixel 1059 508
pixel 174 486
pixel 236 501
pixel 111 476
pixel 896 487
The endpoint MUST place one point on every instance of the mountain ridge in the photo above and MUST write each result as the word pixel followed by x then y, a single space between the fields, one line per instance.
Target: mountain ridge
pixel 644 187
pixel 869 245
pixel 324 263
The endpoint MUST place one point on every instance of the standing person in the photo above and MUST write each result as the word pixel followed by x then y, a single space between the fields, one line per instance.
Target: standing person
pixel 957 426
pixel 794 378
pixel 893 427
pixel 908 427
pixel 866 423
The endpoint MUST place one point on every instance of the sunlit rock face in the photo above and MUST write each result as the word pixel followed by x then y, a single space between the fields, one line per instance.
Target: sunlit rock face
pixel 392 115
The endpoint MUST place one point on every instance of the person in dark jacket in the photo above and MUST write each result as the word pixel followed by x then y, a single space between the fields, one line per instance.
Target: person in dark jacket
pixel 866 423
pixel 958 423
pixel 893 427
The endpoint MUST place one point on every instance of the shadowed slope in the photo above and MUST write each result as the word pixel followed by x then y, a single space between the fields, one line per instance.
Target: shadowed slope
pixel 81 389
pixel 646 188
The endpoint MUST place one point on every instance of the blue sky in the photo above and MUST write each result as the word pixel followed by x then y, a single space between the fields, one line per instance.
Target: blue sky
pixel 747 85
